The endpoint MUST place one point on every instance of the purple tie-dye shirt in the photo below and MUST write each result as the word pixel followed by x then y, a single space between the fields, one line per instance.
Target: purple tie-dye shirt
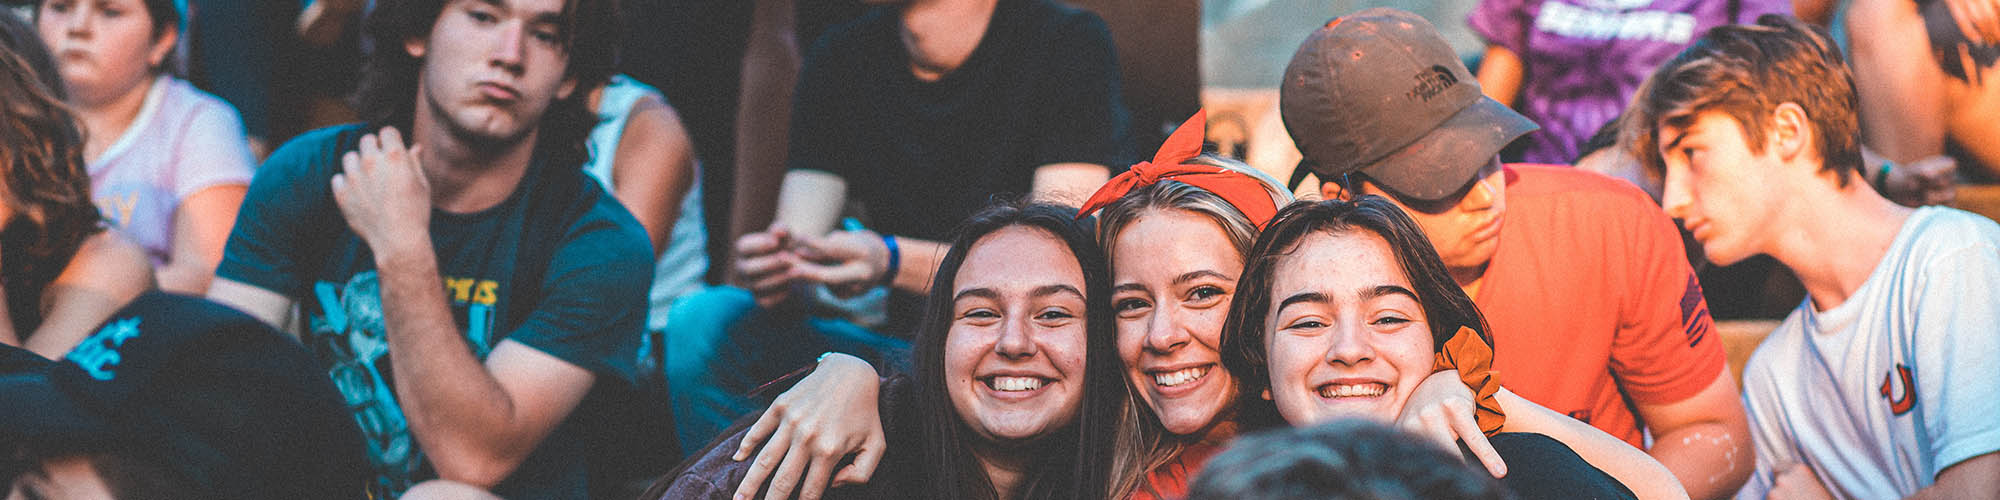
pixel 1584 58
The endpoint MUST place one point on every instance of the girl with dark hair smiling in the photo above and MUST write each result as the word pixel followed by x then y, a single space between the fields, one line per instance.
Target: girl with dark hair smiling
pixel 1344 307
pixel 1176 230
pixel 1015 391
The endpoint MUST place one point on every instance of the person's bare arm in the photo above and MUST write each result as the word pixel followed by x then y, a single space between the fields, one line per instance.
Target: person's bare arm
pixel 201 227
pixel 1441 409
pixel 1704 439
pixel 105 273
pixel 1818 12
pixel 1645 476
pixel 1976 477
pixel 1903 109
pixel 1500 74
pixel 653 168
pixel 322 22
pixel 1068 184
pixel 771 60
pixel 810 201
pixel 476 422
pixel 265 305
pixel 828 416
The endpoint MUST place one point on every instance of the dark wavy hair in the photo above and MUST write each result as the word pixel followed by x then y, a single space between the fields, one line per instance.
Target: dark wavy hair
pixel 1446 306
pixel 1346 459
pixel 45 187
pixel 1073 463
pixel 387 95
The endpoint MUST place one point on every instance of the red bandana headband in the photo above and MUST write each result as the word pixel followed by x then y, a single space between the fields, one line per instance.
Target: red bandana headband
pixel 1242 191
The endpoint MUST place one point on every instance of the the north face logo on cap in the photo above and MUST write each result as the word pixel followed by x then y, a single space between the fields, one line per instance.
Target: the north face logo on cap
pixel 98 354
pixel 1432 82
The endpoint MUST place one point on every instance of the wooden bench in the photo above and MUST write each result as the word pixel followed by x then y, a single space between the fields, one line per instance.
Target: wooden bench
pixel 1982 199
pixel 1740 337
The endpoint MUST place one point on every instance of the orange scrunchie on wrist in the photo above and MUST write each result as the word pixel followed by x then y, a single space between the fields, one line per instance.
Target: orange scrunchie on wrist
pixel 1473 358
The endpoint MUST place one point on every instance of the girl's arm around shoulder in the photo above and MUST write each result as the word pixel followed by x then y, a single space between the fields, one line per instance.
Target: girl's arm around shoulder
pixel 1631 466
pixel 106 272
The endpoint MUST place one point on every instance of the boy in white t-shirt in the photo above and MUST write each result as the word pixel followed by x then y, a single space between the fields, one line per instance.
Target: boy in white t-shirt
pixel 1883 383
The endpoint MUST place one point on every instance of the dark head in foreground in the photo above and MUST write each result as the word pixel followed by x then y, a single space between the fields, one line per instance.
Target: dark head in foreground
pixel 1346 459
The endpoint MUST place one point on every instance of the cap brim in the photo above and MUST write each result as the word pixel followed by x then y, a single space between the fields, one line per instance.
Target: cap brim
pixel 1446 158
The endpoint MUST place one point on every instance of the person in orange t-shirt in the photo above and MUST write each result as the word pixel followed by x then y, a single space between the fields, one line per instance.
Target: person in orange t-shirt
pixel 1594 309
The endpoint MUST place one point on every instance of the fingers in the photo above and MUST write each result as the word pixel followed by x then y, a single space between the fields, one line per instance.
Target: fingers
pixel 863 466
pixel 1985 20
pixel 766 423
pixel 763 267
pixel 764 272
pixel 390 141
pixel 787 476
pixel 817 475
pixel 370 149
pixel 846 273
pixel 1467 428
pixel 1961 13
pixel 767 458
pixel 339 184
pixel 755 244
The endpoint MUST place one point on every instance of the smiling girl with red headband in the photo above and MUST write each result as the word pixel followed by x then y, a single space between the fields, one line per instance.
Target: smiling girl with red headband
pixel 1175 230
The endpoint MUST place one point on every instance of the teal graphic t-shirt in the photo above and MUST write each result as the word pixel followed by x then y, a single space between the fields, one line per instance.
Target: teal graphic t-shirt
pixel 559 266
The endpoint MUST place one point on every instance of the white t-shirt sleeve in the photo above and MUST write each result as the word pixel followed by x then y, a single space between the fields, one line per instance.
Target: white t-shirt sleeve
pixel 1769 431
pixel 213 151
pixel 1957 344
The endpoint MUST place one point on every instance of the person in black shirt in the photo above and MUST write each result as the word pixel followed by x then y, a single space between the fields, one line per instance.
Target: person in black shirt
pixel 916 114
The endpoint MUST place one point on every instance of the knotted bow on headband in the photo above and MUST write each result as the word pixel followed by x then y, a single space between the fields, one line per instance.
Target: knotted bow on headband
pixel 1242 191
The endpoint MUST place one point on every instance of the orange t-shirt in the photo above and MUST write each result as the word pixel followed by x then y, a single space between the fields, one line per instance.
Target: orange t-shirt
pixel 1590 294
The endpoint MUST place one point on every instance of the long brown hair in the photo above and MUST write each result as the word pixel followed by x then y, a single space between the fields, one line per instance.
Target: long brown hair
pixel 45 188
pixel 1074 461
pixel 1143 443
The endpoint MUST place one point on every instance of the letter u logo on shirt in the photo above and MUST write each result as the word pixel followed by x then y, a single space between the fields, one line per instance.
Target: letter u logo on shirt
pixel 1909 400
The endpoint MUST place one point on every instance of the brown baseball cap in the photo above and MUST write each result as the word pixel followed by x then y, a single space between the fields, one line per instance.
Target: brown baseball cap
pixel 1378 91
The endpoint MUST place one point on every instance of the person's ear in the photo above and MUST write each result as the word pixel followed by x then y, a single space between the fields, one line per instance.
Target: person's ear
pixel 1331 190
pixel 162 45
pixel 1790 133
pixel 568 87
pixel 416 47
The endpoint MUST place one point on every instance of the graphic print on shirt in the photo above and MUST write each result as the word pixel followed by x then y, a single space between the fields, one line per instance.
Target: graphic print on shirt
pixel 1615 21
pixel 118 207
pixel 350 335
pixel 1908 399
pixel 1694 312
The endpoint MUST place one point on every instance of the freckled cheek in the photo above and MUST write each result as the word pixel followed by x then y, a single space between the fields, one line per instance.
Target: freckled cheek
pixel 1066 349
pixel 1291 361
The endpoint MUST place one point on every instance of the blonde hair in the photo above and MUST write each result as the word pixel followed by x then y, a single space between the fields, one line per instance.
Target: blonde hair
pixel 1142 444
